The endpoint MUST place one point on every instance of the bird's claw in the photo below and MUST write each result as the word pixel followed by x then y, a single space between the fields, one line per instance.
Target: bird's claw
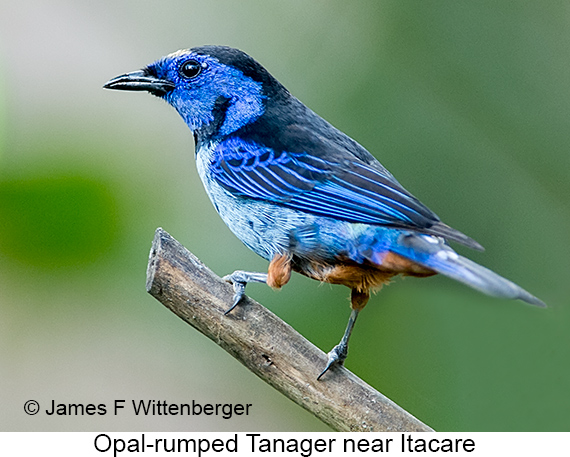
pixel 239 291
pixel 337 356
pixel 239 280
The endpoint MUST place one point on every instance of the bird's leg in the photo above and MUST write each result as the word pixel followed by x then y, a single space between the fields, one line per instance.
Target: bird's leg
pixel 277 276
pixel 239 280
pixel 338 354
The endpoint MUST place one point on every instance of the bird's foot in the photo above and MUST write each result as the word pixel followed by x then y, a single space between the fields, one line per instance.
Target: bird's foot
pixel 239 280
pixel 337 356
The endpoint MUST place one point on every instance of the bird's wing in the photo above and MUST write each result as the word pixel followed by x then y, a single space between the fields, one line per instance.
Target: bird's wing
pixel 349 190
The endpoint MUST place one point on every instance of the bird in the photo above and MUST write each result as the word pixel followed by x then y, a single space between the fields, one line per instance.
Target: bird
pixel 299 192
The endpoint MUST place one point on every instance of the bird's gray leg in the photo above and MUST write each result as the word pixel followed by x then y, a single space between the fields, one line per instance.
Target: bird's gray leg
pixel 239 279
pixel 338 354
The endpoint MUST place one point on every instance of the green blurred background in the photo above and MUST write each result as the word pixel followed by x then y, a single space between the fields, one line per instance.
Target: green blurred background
pixel 467 103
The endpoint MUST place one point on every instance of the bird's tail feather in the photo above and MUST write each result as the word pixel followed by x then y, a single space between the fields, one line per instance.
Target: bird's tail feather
pixel 478 277
pixel 432 252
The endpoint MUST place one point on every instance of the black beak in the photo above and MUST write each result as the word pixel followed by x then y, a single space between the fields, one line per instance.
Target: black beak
pixel 141 80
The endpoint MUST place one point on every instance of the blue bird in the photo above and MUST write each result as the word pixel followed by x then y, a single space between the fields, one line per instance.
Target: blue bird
pixel 299 192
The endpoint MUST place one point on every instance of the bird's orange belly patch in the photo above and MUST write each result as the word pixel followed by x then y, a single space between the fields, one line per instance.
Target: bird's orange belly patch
pixel 362 276
pixel 279 271
pixel 399 264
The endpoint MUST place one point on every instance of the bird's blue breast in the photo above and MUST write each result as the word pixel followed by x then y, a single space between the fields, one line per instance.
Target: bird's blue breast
pixel 262 226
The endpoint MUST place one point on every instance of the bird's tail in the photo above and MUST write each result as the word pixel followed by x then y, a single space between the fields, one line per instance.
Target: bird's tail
pixel 433 253
pixel 474 275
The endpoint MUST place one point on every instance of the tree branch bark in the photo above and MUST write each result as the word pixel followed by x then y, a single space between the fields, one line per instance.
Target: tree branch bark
pixel 266 345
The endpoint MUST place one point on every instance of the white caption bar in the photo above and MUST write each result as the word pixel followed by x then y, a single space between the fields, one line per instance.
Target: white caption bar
pixel 135 444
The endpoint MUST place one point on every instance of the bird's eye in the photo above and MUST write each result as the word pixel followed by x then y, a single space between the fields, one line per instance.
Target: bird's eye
pixel 190 69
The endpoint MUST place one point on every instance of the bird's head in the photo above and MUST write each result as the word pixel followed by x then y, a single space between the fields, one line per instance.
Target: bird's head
pixel 216 89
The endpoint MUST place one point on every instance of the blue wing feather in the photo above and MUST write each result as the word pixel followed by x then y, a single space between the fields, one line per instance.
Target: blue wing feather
pixel 351 191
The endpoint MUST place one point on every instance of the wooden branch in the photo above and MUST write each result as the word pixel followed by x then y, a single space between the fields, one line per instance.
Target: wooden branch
pixel 266 345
